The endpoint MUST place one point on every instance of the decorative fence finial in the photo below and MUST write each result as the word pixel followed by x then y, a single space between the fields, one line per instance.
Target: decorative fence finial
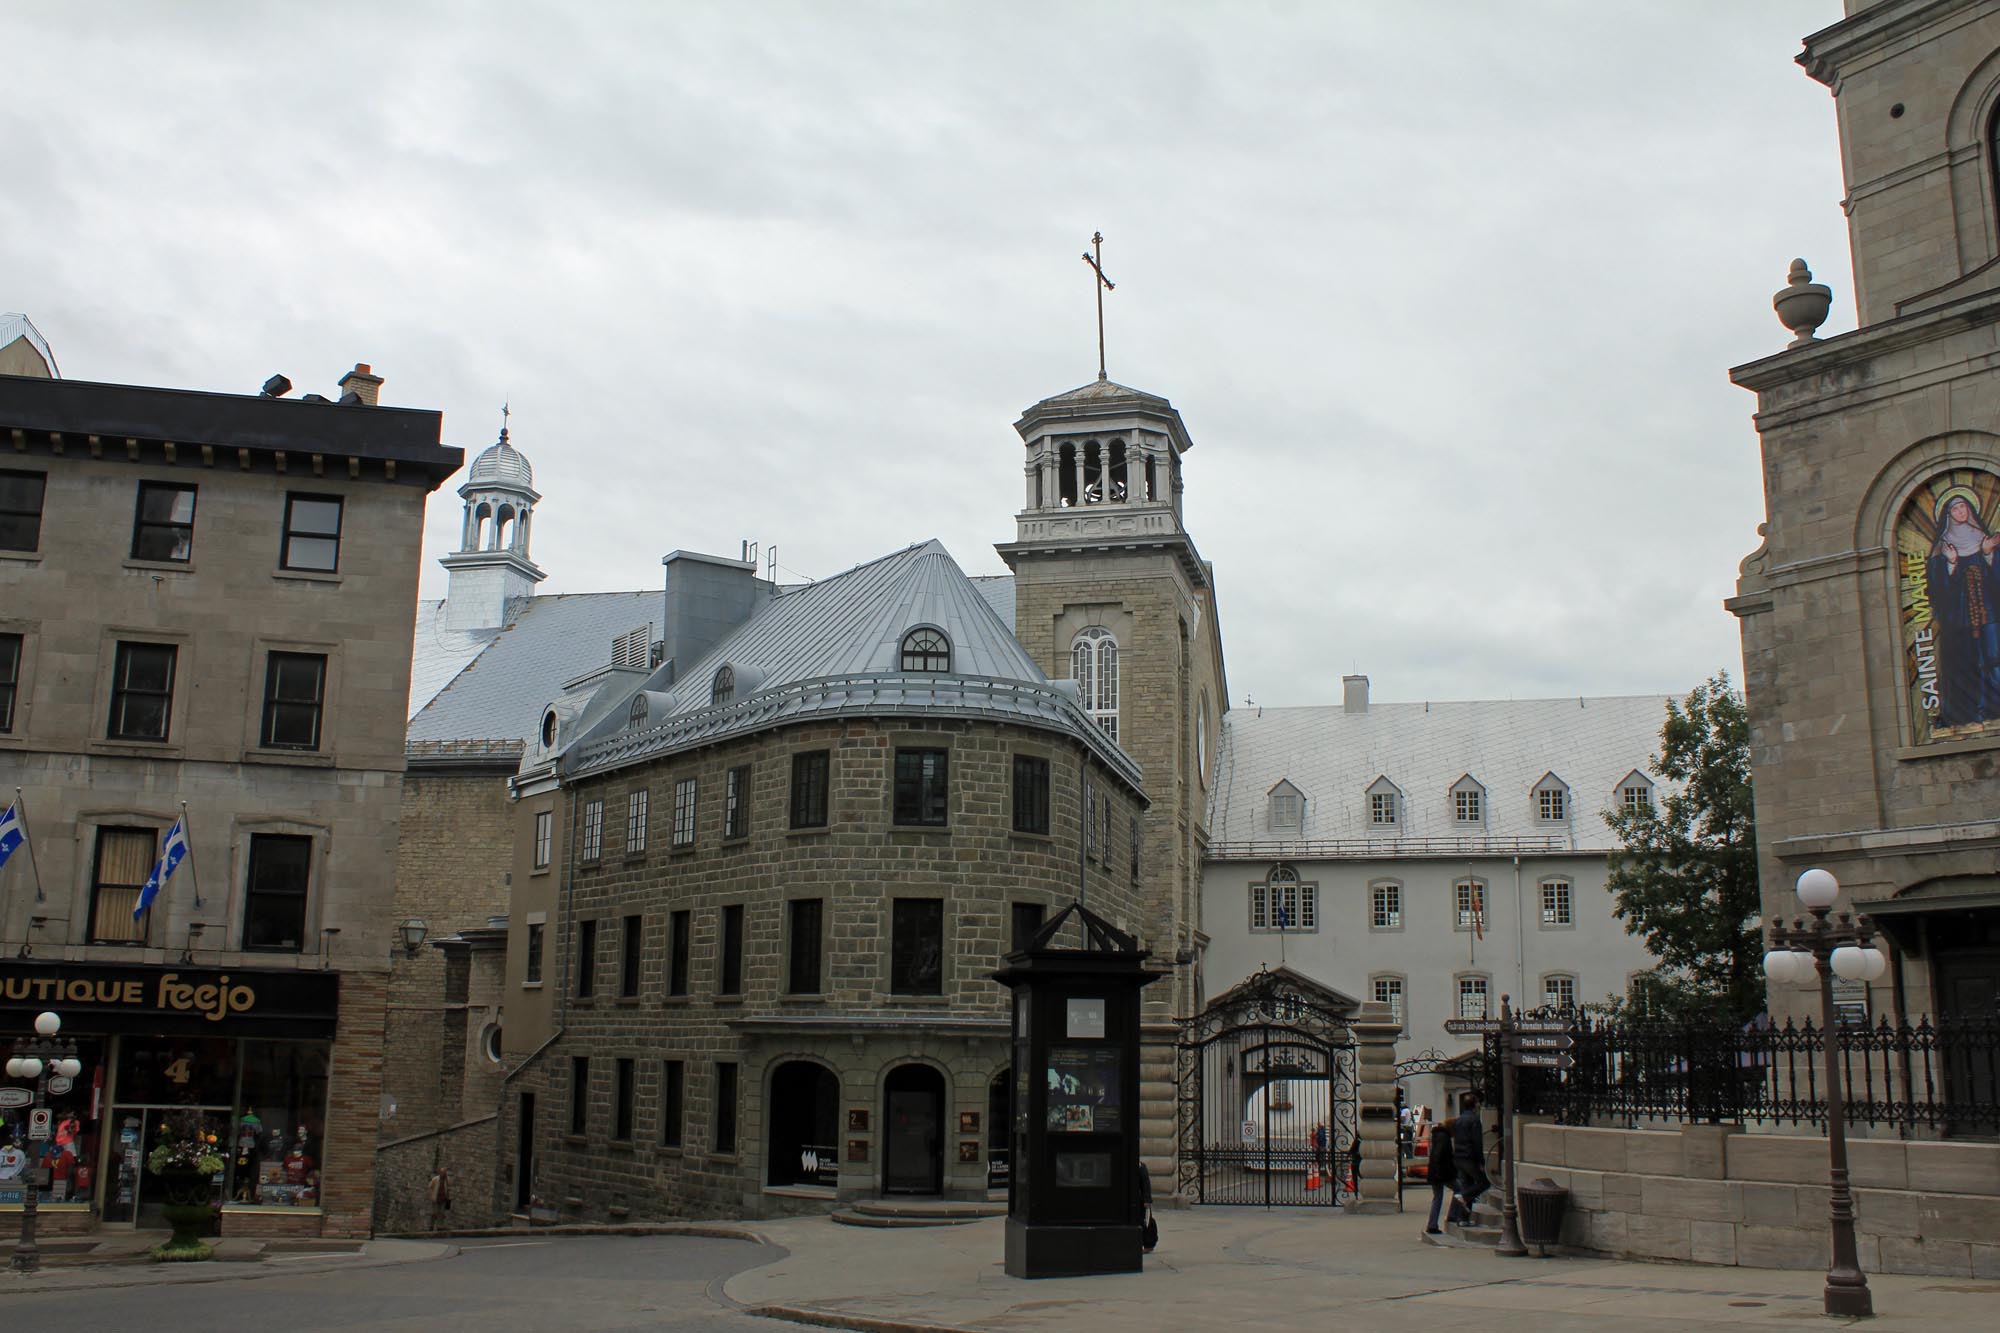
pixel 1802 306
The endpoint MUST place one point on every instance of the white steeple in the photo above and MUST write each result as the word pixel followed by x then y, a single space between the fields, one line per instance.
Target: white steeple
pixel 491 566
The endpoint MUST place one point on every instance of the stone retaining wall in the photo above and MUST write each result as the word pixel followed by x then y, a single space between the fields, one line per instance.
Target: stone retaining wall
pixel 1712 1194
pixel 403 1170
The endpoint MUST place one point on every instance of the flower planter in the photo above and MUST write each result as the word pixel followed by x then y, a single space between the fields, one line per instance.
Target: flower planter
pixel 187 1209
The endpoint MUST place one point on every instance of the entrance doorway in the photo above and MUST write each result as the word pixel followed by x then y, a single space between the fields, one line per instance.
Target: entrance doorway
pixel 134 1195
pixel 999 1129
pixel 913 1113
pixel 805 1126
pixel 524 1155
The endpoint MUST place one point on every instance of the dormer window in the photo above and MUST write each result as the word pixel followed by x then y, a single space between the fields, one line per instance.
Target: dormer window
pixel 1287 808
pixel 549 730
pixel 637 717
pixel 1551 800
pixel 1468 801
pixel 1635 791
pixel 926 649
pixel 1385 805
pixel 723 688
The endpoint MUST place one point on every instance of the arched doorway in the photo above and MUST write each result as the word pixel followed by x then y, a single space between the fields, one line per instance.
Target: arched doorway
pixel 805 1126
pixel 913 1121
pixel 999 1129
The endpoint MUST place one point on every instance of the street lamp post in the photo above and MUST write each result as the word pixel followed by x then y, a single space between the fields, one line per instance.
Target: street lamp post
pixel 1824 945
pixel 34 1059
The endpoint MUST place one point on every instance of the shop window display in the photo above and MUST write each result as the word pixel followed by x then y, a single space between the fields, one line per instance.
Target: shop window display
pixel 70 1150
pixel 279 1124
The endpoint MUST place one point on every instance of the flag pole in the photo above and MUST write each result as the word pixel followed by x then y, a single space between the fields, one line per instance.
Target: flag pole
pixel 188 834
pixel 20 806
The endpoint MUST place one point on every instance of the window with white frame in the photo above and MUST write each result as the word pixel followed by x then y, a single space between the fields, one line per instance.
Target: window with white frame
pixel 1635 793
pixel 1556 903
pixel 1469 905
pixel 1551 800
pixel 1385 907
pixel 1093 664
pixel 1381 807
pixel 684 806
pixel 1472 997
pixel 1288 808
pixel 1280 903
pixel 1466 805
pixel 1559 991
pixel 592 838
pixel 1389 991
pixel 635 821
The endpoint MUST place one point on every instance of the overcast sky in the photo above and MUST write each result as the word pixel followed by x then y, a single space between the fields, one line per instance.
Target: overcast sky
pixel 1446 292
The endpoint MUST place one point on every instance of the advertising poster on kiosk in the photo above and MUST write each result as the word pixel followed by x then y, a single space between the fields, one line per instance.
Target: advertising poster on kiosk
pixel 1083 1089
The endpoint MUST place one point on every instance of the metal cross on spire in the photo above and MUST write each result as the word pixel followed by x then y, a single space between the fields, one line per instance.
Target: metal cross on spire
pixel 1101 286
pixel 504 414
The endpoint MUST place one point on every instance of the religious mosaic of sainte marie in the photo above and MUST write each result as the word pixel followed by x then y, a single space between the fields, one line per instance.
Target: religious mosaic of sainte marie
pixel 1949 583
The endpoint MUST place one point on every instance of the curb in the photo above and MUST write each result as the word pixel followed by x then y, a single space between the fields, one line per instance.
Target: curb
pixel 863 1323
pixel 104 1277
pixel 709 1230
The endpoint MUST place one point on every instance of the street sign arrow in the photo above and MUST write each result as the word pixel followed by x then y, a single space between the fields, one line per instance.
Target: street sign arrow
pixel 1545 1059
pixel 1466 1027
pixel 1544 1025
pixel 1541 1041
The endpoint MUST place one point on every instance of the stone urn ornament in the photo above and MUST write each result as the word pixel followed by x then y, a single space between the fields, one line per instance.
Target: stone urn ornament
pixel 1803 304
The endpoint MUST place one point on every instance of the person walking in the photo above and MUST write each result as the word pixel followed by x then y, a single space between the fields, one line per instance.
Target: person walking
pixel 1468 1150
pixel 1443 1178
pixel 1151 1234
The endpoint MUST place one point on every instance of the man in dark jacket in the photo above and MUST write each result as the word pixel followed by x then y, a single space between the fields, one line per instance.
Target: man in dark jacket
pixel 1468 1150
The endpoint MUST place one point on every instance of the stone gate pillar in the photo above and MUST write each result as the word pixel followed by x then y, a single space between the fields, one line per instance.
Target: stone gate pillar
pixel 1375 1032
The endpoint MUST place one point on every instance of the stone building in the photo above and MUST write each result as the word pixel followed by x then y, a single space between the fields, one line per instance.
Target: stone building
pixel 485 656
pixel 205 629
pixel 1429 857
pixel 760 883
pixel 1871 612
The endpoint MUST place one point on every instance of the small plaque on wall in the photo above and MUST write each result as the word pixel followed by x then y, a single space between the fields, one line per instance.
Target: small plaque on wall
pixel 857 1149
pixel 968 1122
pixel 1085 1020
pixel 857 1122
pixel 968 1150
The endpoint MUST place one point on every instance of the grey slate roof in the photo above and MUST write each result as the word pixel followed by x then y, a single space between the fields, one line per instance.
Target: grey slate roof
pixel 1508 746
pixel 834 648
pixel 998 590
pixel 493 684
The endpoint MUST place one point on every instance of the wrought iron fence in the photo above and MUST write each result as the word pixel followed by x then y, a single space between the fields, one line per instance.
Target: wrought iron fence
pixel 1934 1077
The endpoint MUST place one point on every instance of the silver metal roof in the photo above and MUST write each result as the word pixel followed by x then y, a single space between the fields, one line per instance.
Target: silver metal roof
pixel 834 648
pixel 493 684
pixel 1507 746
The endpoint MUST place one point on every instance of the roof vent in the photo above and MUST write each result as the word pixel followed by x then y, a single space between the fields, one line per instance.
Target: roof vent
pixel 634 648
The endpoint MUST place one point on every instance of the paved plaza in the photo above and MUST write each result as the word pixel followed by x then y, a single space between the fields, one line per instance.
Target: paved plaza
pixel 1217 1268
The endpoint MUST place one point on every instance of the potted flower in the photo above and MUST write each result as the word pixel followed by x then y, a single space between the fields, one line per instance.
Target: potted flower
pixel 187 1158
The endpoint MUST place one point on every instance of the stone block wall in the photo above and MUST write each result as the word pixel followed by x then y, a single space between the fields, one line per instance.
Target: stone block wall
pixel 468 1152
pixel 1710 1194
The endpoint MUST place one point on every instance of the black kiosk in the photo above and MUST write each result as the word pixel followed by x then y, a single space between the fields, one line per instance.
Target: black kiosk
pixel 1073 1196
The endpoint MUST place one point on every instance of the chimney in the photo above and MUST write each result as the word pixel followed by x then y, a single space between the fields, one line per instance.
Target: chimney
pixel 1354 694
pixel 707 598
pixel 363 383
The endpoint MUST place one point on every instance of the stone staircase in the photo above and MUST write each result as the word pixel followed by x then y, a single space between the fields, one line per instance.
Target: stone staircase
pixel 916 1212
pixel 1484 1228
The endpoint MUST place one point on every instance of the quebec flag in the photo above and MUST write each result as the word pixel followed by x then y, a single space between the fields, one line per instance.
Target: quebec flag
pixel 171 853
pixel 12 835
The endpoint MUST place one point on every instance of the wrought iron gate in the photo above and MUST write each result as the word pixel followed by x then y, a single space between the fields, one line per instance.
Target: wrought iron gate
pixel 1267 1107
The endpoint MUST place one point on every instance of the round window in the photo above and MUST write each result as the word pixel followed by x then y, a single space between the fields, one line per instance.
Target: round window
pixel 489 1041
pixel 549 729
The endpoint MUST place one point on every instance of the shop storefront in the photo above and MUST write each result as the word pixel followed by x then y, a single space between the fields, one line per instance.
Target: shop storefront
pixel 240 1054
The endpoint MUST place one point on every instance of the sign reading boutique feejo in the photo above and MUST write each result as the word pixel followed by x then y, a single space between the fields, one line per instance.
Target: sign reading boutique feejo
pixel 95 997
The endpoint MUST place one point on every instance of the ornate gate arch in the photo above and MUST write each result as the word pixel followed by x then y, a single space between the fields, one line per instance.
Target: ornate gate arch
pixel 1265 1066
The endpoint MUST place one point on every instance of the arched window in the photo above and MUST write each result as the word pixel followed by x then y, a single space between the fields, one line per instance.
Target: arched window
pixel 503 527
pixel 638 714
pixel 549 730
pixel 1093 664
pixel 1281 903
pixel 926 649
pixel 481 516
pixel 723 688
pixel 1559 990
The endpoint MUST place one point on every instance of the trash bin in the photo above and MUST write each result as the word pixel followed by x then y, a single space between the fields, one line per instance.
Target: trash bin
pixel 1540 1204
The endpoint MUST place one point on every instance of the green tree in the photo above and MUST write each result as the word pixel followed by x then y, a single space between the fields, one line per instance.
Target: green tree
pixel 1686 878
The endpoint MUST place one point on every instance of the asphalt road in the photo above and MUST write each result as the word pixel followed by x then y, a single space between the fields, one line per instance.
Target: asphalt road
pixel 579 1282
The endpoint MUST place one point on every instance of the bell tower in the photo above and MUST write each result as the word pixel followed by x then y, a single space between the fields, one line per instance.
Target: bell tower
pixel 1109 591
pixel 491 566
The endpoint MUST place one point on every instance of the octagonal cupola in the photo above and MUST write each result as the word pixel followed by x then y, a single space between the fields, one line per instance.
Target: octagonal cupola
pixel 491 566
